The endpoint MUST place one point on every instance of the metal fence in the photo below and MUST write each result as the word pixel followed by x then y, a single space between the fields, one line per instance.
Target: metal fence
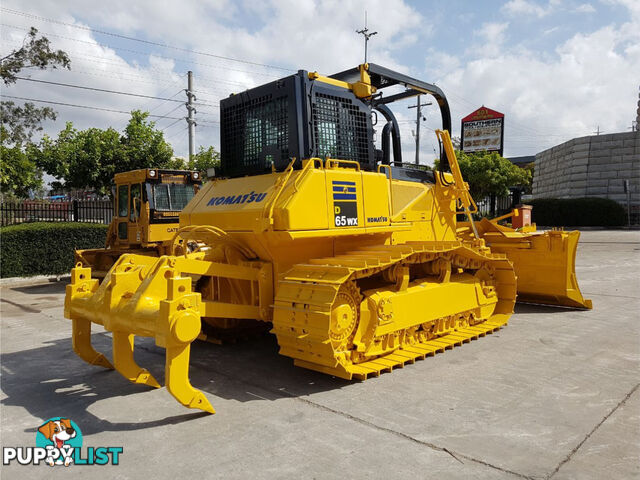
pixel 90 211
pixel 502 205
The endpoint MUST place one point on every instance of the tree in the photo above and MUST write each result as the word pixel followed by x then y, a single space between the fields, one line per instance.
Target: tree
pixel 34 53
pixel 489 174
pixel 529 167
pixel 204 159
pixel 19 173
pixel 18 122
pixel 82 158
pixel 90 158
pixel 144 145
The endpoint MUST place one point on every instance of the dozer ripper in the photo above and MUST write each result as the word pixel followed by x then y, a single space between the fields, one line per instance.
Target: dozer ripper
pixel 354 257
pixel 146 205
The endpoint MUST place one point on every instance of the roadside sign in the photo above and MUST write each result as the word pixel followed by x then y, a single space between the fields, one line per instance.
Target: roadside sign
pixel 483 130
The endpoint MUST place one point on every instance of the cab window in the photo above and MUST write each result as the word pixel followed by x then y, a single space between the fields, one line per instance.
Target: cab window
pixel 172 196
pixel 123 200
pixel 136 203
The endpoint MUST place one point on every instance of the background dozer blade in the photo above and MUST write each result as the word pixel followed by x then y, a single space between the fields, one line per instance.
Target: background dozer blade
pixel 545 263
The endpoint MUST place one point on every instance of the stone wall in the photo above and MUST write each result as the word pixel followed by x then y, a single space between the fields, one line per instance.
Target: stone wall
pixel 594 166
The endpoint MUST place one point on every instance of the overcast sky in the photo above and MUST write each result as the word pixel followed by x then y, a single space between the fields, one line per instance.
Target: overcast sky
pixel 558 69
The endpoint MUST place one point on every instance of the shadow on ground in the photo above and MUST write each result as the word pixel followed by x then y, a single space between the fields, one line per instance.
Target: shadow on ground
pixel 51 288
pixel 51 378
pixel 544 309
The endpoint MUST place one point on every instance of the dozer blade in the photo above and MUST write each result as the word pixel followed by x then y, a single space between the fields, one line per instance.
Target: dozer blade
pixel 544 263
pixel 142 296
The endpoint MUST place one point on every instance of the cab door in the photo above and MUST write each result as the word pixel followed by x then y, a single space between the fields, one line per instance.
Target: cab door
pixel 122 197
pixel 134 229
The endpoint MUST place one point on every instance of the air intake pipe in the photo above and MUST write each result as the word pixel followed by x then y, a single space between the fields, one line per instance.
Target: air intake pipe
pixel 386 143
pixel 391 128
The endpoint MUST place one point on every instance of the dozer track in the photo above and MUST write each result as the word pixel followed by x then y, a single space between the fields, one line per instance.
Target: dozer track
pixel 378 308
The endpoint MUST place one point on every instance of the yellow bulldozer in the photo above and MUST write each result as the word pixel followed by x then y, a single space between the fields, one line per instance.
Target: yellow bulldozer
pixel 355 258
pixel 146 205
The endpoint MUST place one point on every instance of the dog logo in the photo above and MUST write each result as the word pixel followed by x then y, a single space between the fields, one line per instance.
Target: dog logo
pixel 59 442
pixel 60 436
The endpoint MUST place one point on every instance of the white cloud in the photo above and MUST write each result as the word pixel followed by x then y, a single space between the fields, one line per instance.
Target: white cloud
pixel 313 35
pixel 585 8
pixel 591 79
pixel 492 36
pixel 633 6
pixel 525 7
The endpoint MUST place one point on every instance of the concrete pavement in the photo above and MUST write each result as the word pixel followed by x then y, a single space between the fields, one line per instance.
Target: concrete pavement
pixel 553 395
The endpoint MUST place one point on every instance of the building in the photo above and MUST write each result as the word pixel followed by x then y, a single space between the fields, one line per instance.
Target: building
pixel 522 161
pixel 593 166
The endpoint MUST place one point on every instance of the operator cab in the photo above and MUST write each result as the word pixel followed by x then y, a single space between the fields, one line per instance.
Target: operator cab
pixel 147 203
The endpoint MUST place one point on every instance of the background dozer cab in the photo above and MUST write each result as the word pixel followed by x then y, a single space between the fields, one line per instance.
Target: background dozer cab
pixel 147 203
pixel 351 255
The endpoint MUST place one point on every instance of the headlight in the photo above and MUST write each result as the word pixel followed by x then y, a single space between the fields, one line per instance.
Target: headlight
pixel 196 175
pixel 152 173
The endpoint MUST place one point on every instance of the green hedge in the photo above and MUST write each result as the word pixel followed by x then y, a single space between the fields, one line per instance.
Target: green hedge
pixel 45 248
pixel 578 212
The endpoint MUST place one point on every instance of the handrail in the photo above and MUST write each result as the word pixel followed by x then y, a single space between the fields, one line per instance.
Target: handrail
pixel 280 184
pixel 337 161
pixel 306 166
pixel 388 167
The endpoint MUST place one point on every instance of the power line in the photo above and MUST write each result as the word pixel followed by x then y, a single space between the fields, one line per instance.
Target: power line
pixel 148 42
pixel 79 106
pixel 162 103
pixel 91 107
pixel 99 89
pixel 176 133
pixel 120 76
pixel 166 115
pixel 172 124
pixel 177 59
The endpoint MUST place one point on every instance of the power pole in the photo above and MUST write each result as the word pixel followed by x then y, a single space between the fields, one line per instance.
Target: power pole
pixel 418 106
pixel 598 132
pixel 365 32
pixel 191 110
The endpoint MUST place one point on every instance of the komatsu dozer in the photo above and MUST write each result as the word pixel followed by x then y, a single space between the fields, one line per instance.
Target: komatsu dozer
pixel 146 205
pixel 352 256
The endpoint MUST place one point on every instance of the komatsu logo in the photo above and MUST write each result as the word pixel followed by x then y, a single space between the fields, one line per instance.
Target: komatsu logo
pixel 251 197
pixel 345 203
pixel 377 219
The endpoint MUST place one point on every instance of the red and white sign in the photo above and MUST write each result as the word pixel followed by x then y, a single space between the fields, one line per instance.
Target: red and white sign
pixel 483 130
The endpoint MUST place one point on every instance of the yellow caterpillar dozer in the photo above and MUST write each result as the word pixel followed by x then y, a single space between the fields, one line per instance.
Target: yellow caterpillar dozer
pixel 352 256
pixel 146 205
